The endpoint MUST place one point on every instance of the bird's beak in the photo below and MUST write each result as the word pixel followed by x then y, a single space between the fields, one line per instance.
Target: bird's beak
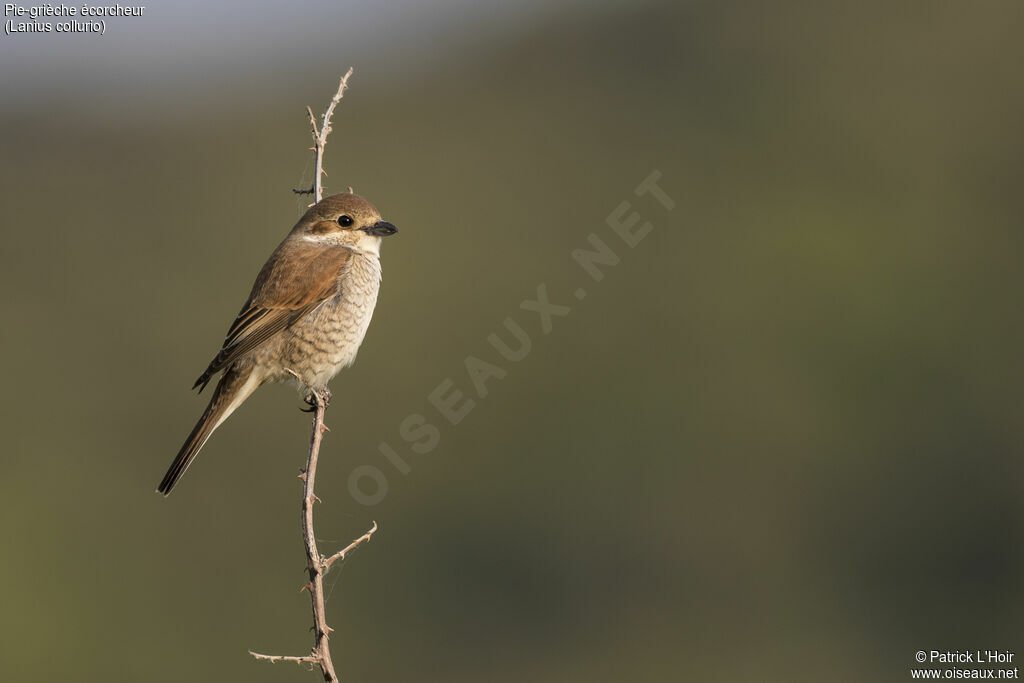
pixel 381 229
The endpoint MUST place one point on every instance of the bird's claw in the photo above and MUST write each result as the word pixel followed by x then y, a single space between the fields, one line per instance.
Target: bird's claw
pixel 310 400
pixel 315 397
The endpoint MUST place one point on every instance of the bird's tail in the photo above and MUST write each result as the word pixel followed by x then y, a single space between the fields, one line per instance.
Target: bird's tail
pixel 234 387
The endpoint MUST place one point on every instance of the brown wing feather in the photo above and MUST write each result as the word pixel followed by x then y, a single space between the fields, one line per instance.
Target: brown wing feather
pixel 296 279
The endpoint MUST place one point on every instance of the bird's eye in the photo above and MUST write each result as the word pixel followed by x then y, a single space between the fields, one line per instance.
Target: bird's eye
pixel 345 221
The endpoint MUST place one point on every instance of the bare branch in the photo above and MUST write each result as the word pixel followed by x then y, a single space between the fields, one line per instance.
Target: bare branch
pixel 316 565
pixel 320 139
pixel 313 562
pixel 340 555
pixel 274 659
pixel 312 122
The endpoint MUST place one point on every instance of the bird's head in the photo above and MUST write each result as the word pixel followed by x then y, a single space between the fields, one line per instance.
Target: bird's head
pixel 344 220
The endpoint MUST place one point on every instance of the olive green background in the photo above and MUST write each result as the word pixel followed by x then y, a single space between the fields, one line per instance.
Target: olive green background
pixel 779 441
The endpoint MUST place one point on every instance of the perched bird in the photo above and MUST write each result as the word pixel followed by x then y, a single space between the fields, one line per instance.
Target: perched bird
pixel 305 318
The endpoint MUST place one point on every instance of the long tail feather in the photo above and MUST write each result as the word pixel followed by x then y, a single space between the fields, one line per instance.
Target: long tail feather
pixel 233 388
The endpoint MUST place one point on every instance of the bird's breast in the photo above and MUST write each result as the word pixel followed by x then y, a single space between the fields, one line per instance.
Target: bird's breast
pixel 319 345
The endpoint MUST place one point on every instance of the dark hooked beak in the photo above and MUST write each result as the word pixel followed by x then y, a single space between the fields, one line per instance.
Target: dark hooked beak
pixel 381 229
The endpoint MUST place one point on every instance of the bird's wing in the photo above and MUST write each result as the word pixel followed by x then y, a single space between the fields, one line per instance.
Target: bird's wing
pixel 296 279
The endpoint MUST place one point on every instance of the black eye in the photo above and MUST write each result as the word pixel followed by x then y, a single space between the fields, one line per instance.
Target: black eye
pixel 345 221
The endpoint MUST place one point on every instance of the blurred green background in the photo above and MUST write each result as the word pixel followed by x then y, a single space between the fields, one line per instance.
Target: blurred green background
pixel 780 440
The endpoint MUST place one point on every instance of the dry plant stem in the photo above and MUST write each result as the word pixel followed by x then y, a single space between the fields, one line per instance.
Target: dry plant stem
pixel 341 554
pixel 321 630
pixel 321 654
pixel 316 565
pixel 320 136
pixel 273 659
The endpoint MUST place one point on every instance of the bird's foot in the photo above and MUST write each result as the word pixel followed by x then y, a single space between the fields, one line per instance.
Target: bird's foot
pixel 316 397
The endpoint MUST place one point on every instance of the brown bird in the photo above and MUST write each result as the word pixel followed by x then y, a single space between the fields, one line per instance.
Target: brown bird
pixel 305 318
